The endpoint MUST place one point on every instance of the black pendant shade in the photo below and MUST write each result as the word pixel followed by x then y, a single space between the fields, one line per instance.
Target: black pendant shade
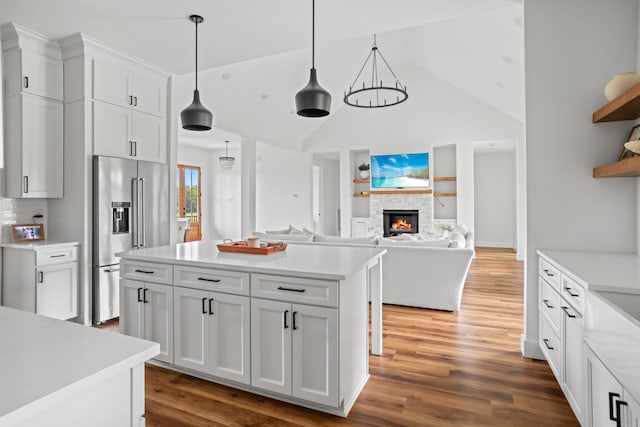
pixel 313 100
pixel 196 116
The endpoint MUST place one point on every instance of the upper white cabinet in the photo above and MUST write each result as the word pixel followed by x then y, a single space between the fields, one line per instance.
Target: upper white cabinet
pixel 122 85
pixel 33 93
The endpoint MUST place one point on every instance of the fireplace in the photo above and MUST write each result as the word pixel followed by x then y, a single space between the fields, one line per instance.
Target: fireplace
pixel 396 221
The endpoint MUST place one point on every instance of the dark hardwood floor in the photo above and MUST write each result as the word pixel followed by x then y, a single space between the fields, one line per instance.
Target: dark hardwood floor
pixel 438 369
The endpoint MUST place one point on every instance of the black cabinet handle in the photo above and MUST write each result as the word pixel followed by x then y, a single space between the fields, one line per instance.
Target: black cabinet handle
pixel 144 296
pixel 568 313
pixel 293 316
pixel 285 319
pixel 130 99
pixel 204 310
pixel 546 342
pixel 139 296
pixel 612 416
pixel 280 288
pixel 41 277
pixel 619 403
pixel 57 256
pixel 568 289
pixel 135 101
pixel 546 302
pixel 210 307
pixel 144 271
pixel 204 279
pixel 546 270
pixel 26 81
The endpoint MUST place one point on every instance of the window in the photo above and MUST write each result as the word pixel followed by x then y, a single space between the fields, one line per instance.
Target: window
pixel 189 203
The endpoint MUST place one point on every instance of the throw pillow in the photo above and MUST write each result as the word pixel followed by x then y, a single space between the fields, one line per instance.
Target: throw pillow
pixel 457 240
pixel 285 231
pixel 371 240
pixel 288 238
pixel 462 229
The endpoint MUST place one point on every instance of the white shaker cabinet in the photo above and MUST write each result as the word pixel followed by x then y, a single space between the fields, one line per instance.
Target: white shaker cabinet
pixel 212 331
pixel 41 278
pixel 33 126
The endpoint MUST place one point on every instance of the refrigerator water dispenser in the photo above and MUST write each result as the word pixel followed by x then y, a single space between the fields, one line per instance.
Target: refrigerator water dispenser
pixel 120 217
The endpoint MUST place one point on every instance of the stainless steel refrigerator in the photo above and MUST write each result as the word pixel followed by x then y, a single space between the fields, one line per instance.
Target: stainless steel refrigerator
pixel 130 211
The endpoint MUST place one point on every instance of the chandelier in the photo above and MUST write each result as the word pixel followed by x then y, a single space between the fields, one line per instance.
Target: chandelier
pixel 373 93
pixel 225 161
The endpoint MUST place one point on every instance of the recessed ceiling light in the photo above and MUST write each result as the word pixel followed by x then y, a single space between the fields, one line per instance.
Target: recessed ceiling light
pixel 500 85
pixel 507 59
pixel 226 76
pixel 264 96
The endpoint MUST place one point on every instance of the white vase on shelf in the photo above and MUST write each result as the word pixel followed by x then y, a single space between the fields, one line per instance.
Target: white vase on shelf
pixel 364 174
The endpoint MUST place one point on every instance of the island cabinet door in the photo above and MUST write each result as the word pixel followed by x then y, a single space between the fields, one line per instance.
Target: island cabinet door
pixel 271 345
pixel 131 309
pixel 191 328
pixel 158 318
pixel 230 337
pixel 315 354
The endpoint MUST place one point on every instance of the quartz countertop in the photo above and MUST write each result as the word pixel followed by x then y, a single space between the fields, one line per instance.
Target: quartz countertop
pixel 605 271
pixel 313 261
pixel 44 360
pixel 38 244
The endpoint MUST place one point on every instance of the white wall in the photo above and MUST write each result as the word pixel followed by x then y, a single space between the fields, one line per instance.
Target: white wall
pixel 283 188
pixel 495 201
pixel 227 200
pixel 566 72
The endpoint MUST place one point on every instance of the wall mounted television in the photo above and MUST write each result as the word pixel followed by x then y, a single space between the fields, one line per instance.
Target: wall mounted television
pixel 400 171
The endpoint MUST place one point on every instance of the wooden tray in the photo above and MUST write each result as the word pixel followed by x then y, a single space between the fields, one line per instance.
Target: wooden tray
pixel 241 247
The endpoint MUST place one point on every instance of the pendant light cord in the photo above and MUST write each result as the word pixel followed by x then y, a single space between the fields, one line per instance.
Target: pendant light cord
pixel 196 54
pixel 313 33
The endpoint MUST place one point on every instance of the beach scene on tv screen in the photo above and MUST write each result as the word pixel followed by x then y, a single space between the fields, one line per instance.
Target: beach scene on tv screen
pixel 400 170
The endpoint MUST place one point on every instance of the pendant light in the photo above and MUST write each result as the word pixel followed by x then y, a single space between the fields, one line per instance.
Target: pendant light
pixel 313 100
pixel 225 161
pixel 196 116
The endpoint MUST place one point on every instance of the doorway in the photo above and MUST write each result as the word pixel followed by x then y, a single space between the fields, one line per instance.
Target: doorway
pixel 189 200
pixel 326 193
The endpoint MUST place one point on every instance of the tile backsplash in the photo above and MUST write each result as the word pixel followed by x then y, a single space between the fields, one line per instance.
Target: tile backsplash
pixel 20 211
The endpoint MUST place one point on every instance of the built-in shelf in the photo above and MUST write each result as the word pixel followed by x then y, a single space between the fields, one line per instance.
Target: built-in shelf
pixel 624 168
pixel 400 192
pixel 445 194
pixel 624 107
pixel 361 195
pixel 361 181
pixel 444 178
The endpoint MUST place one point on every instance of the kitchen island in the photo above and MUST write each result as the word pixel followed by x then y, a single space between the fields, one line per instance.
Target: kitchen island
pixel 291 325
pixel 60 374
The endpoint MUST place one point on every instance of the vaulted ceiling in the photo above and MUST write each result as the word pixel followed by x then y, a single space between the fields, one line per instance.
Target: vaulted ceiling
pixel 255 54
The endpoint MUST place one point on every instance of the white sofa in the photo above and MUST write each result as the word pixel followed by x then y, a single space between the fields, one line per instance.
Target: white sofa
pixel 412 274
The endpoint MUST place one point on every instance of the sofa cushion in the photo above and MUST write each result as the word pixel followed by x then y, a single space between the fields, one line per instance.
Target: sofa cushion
pixel 457 240
pixel 285 231
pixel 442 243
pixel 371 240
pixel 462 229
pixel 294 230
pixel 284 237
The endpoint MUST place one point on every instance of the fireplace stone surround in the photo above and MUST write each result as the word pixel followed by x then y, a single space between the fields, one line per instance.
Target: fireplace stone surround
pixel 423 203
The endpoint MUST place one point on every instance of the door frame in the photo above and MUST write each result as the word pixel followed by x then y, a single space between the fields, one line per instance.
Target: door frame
pixel 182 201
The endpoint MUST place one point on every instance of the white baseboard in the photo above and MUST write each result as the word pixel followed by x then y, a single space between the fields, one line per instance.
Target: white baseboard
pixel 491 244
pixel 530 348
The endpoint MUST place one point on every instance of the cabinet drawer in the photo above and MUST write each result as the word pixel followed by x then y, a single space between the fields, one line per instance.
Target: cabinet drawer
pixel 549 272
pixel 57 256
pixel 573 293
pixel 550 302
pixel 209 279
pixel 551 346
pixel 295 289
pixel 147 272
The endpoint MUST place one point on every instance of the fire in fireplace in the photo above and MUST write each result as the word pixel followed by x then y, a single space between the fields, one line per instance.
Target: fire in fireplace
pixel 399 221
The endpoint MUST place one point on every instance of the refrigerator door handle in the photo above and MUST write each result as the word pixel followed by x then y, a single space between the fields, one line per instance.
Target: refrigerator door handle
pixel 143 230
pixel 134 216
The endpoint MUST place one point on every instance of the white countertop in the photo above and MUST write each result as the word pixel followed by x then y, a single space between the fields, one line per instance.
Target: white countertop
pixel 43 361
pixel 38 244
pixel 313 261
pixel 621 355
pixel 619 272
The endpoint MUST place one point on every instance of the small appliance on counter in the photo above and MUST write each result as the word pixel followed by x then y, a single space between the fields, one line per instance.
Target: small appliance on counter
pixel 130 210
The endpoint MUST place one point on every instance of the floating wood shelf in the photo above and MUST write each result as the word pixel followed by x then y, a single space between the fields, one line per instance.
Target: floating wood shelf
pixel 624 107
pixel 361 195
pixel 444 178
pixel 400 191
pixel 624 168
pixel 445 194
pixel 362 181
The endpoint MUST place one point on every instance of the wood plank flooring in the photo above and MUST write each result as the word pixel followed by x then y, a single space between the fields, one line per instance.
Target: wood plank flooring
pixel 438 369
